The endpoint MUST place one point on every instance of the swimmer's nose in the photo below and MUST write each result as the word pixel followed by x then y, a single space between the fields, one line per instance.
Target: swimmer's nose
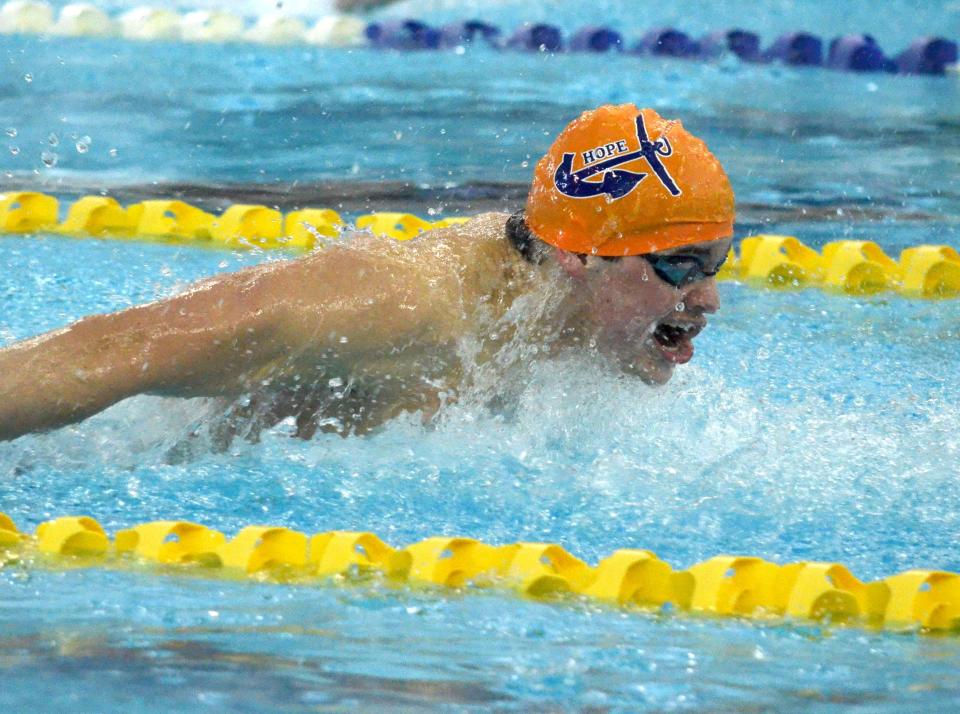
pixel 703 296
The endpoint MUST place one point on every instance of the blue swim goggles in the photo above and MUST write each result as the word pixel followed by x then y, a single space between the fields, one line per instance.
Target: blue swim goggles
pixel 680 270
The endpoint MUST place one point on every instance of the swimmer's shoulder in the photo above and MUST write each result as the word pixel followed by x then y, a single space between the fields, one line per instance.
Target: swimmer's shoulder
pixel 482 234
pixel 482 228
pixel 492 223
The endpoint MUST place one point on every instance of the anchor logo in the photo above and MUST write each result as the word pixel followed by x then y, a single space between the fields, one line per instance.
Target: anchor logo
pixel 616 183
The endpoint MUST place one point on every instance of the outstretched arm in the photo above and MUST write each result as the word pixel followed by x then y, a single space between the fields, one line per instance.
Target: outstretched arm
pixel 201 342
pixel 224 335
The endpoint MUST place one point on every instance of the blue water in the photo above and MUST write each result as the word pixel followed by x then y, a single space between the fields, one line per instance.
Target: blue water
pixel 808 425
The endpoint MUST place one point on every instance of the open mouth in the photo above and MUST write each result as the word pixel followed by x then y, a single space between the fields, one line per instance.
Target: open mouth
pixel 675 340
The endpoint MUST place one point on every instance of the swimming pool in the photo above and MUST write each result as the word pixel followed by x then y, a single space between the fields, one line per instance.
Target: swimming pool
pixel 809 426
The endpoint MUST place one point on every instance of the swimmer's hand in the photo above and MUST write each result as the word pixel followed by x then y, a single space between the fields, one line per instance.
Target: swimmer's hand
pixel 222 337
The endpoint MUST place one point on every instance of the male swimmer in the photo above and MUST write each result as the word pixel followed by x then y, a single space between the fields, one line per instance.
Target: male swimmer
pixel 628 220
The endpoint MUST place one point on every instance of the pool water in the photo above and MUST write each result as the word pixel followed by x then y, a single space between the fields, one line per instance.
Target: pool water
pixel 809 426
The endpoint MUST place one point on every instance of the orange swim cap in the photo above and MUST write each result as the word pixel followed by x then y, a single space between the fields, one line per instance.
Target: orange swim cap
pixel 624 181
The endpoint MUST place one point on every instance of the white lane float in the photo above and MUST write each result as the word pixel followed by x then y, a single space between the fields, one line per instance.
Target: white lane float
pixel 338 31
pixel 26 16
pixel 84 20
pixel 277 29
pixel 150 23
pixel 211 26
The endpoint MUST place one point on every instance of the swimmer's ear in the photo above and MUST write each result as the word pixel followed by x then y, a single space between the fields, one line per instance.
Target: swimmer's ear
pixel 573 264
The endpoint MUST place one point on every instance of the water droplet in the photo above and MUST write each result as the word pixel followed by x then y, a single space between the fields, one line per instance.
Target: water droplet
pixel 644 277
pixel 11 132
pixel 28 77
pixel 83 144
pixel 398 135
pixel 14 150
pixel 680 307
pixel 524 164
pixel 113 153
pixel 443 131
pixel 53 139
pixel 49 159
pixel 344 340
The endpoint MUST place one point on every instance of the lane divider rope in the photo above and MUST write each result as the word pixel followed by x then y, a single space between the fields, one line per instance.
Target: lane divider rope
pixel 850 52
pixel 736 586
pixel 852 267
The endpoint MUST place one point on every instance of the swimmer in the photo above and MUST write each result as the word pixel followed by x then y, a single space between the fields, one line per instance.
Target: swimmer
pixel 627 222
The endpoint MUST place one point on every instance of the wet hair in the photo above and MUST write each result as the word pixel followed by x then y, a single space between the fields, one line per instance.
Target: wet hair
pixel 529 246
pixel 521 237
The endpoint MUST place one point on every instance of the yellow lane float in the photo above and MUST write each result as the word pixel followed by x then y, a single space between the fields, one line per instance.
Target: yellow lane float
pixel 724 586
pixel 172 542
pixel 349 552
pixel 402 226
pixel 27 212
pixel 171 219
pixel 308 227
pixel 858 267
pixel 633 577
pixel 252 225
pixel 779 261
pixel 258 548
pixel 97 216
pixel 930 271
pixel 9 535
pixel 851 267
pixel 72 535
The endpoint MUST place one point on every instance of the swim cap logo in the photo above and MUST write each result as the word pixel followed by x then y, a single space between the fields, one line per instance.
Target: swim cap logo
pixel 616 183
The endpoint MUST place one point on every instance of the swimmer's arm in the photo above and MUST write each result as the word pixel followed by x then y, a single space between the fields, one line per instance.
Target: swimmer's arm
pixel 200 342
pixel 213 340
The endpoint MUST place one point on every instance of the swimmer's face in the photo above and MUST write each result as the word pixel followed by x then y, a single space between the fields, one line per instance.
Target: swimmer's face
pixel 639 318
